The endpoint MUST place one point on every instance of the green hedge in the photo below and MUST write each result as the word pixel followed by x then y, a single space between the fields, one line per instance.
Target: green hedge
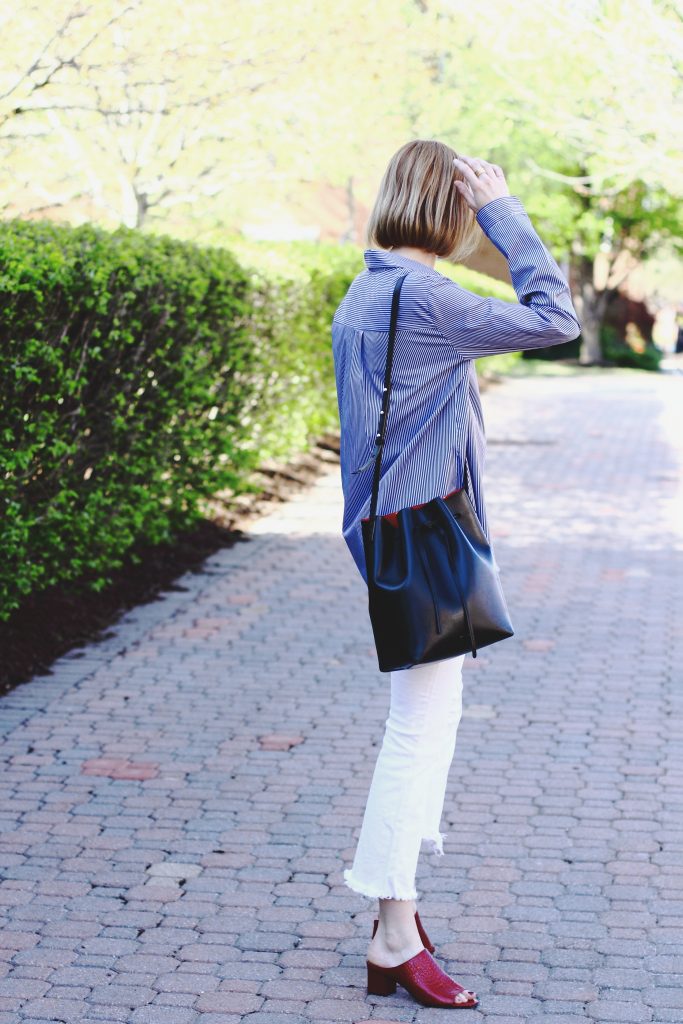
pixel 124 369
pixel 295 290
pixel 140 376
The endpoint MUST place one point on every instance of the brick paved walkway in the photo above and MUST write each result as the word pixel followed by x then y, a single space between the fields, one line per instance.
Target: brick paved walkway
pixel 181 798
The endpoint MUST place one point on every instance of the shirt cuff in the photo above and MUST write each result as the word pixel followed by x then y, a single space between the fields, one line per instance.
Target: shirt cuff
pixel 497 209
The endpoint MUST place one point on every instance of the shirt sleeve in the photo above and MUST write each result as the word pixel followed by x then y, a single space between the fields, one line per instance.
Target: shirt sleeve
pixel 483 326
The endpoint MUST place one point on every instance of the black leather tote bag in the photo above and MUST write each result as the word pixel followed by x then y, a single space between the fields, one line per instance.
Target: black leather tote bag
pixel 433 588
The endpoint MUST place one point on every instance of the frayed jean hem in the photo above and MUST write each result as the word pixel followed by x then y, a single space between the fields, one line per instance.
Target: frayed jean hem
pixel 435 846
pixel 370 893
pixel 436 843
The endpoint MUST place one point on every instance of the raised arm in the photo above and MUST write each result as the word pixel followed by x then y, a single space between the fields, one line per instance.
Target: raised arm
pixel 545 315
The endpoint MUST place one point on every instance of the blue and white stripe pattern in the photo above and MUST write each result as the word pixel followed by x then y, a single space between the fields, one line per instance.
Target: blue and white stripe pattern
pixel 435 414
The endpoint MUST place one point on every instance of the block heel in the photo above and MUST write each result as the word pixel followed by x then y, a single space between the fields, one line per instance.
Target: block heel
pixel 379 983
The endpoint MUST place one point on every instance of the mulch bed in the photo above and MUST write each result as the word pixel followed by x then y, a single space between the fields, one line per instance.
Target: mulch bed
pixel 68 616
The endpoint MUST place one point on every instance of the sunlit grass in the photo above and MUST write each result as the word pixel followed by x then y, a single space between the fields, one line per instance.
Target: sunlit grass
pixel 512 364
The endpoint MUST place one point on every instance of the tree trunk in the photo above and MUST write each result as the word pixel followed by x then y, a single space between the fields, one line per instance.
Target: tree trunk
pixel 142 206
pixel 591 349
pixel 350 233
pixel 590 306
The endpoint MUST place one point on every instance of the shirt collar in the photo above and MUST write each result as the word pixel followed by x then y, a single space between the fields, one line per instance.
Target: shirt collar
pixel 384 259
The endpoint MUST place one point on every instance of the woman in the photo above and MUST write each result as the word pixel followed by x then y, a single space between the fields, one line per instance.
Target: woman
pixel 431 202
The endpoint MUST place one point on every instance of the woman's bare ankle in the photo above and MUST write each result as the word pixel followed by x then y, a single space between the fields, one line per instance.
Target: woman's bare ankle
pixel 397 937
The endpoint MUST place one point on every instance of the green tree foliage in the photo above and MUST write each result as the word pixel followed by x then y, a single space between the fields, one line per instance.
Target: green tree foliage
pixel 578 106
pixel 201 118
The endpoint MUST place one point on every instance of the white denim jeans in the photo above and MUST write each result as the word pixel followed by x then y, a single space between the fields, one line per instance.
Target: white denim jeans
pixel 408 787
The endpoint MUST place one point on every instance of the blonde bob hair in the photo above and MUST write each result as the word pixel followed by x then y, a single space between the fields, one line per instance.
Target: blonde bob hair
pixel 419 206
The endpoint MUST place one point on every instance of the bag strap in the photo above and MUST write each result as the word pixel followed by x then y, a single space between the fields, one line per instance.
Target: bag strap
pixel 376 456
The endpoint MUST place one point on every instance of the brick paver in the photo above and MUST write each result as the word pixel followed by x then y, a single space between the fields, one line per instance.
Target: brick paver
pixel 180 799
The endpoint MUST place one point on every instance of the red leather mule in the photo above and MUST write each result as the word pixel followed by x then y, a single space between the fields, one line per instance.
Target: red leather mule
pixel 423 978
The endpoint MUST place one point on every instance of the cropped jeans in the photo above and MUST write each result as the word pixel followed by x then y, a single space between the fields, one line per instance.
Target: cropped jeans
pixel 408 787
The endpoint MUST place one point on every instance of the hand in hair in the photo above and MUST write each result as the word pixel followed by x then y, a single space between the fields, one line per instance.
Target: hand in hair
pixel 479 189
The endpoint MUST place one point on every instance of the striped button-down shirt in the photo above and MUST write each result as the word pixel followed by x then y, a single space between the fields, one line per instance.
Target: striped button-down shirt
pixel 435 416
